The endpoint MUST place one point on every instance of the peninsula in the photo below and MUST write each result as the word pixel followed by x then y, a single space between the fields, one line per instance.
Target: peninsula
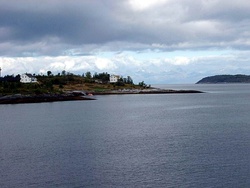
pixel 29 88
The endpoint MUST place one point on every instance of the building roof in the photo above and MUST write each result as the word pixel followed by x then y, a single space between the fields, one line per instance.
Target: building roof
pixel 29 75
pixel 115 75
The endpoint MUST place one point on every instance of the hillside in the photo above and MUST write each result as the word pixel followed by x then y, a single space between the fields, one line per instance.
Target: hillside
pixel 62 84
pixel 239 78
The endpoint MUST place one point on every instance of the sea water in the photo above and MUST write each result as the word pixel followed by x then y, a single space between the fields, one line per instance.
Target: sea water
pixel 164 140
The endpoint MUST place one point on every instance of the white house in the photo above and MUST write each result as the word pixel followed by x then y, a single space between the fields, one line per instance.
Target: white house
pixel 28 78
pixel 114 78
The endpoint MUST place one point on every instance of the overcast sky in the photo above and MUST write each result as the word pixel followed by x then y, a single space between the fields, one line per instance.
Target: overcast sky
pixel 157 41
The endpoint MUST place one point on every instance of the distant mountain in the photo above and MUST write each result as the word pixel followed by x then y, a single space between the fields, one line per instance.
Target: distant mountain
pixel 217 79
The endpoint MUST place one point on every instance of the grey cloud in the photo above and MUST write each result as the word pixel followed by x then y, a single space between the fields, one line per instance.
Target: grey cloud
pixel 55 27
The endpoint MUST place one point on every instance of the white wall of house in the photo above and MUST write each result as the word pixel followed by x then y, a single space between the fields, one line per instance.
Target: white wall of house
pixel 27 79
pixel 114 78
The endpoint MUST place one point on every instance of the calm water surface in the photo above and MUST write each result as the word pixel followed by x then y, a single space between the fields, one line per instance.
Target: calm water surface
pixel 173 140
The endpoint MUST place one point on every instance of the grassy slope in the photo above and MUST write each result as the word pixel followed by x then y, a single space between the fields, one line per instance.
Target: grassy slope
pixel 60 84
pixel 80 83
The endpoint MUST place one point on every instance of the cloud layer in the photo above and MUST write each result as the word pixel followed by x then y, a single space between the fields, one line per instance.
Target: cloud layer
pixel 80 30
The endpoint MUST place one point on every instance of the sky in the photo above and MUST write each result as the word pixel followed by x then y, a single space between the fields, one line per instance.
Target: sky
pixel 155 41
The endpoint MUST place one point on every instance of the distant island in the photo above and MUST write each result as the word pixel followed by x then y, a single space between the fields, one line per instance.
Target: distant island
pixel 220 79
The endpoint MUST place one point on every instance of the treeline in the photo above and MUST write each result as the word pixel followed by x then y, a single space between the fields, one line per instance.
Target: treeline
pixel 9 83
pixel 65 77
pixel 10 78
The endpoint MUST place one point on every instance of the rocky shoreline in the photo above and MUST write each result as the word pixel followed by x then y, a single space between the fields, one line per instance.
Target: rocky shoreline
pixel 80 95
pixel 145 91
pixel 17 99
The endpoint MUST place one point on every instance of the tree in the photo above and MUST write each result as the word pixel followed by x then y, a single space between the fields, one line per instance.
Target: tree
pixel 125 80
pixel 49 73
pixel 88 75
pixel 129 80
pixel 119 83
pixel 142 84
pixel 63 73
pixel 96 76
pixel 120 79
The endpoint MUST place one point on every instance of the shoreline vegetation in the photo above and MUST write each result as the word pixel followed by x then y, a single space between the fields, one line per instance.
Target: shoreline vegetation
pixel 70 87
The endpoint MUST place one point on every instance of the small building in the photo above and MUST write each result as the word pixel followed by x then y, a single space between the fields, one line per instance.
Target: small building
pixel 114 78
pixel 28 78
